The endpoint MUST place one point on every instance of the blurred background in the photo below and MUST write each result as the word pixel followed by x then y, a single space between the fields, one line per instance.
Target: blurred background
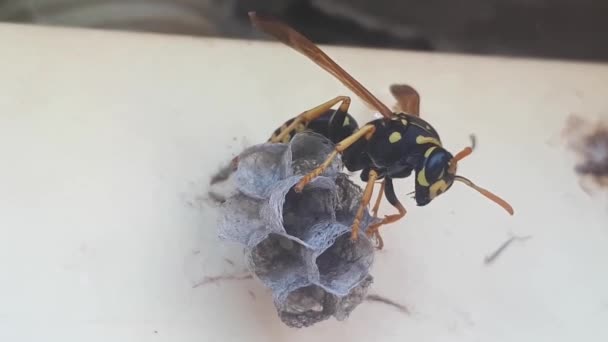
pixel 556 29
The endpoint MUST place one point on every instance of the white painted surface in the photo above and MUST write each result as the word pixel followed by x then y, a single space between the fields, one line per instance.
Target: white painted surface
pixel 107 143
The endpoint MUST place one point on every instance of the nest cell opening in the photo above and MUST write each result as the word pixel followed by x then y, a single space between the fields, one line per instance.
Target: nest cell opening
pixel 278 259
pixel 344 264
pixel 302 211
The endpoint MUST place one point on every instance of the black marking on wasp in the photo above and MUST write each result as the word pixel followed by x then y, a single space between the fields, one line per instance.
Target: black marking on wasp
pixel 392 147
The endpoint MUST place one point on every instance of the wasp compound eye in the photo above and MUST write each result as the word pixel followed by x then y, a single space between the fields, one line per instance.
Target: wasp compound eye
pixel 298 244
pixel 436 164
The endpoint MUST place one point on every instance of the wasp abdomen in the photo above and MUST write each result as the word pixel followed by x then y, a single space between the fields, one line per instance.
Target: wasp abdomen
pixel 335 125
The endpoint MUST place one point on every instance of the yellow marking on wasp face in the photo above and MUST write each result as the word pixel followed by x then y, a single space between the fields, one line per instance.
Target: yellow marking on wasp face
pixel 427 140
pixel 404 122
pixel 422 178
pixel 437 188
pixel 346 121
pixel 429 151
pixel 394 137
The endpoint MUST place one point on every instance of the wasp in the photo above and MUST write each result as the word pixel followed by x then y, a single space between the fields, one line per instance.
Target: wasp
pixel 392 147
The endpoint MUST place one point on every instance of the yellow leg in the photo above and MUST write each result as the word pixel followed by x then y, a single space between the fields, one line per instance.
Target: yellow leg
pixel 373 229
pixel 378 199
pixel 375 209
pixel 308 116
pixel 367 196
pixel 365 132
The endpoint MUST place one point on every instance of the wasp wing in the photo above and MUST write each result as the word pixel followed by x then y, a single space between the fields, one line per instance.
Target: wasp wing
pixel 408 100
pixel 297 41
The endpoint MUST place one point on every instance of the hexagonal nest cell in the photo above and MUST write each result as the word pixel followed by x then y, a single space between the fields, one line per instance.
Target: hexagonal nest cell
pixel 298 244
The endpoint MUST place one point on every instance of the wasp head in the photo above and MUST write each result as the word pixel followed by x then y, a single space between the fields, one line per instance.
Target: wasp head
pixel 438 173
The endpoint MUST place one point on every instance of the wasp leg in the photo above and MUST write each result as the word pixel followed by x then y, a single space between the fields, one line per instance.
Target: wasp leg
pixel 379 198
pixel 408 100
pixel 367 196
pixel 306 117
pixel 365 132
pixel 389 192
pixel 375 209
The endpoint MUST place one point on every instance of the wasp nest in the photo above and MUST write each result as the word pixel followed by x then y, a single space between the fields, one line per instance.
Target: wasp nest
pixel 298 244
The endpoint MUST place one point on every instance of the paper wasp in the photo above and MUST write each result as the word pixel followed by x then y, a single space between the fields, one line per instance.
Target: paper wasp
pixel 384 149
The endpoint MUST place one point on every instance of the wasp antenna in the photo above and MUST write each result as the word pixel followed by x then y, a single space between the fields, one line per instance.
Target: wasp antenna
pixel 473 141
pixel 494 198
pixel 458 157
pixel 463 154
pixel 467 150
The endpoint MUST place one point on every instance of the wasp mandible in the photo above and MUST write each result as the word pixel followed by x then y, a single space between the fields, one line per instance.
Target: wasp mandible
pixel 383 149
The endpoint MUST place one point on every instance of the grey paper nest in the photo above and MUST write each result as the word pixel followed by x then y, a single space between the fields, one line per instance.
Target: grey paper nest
pixel 298 244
